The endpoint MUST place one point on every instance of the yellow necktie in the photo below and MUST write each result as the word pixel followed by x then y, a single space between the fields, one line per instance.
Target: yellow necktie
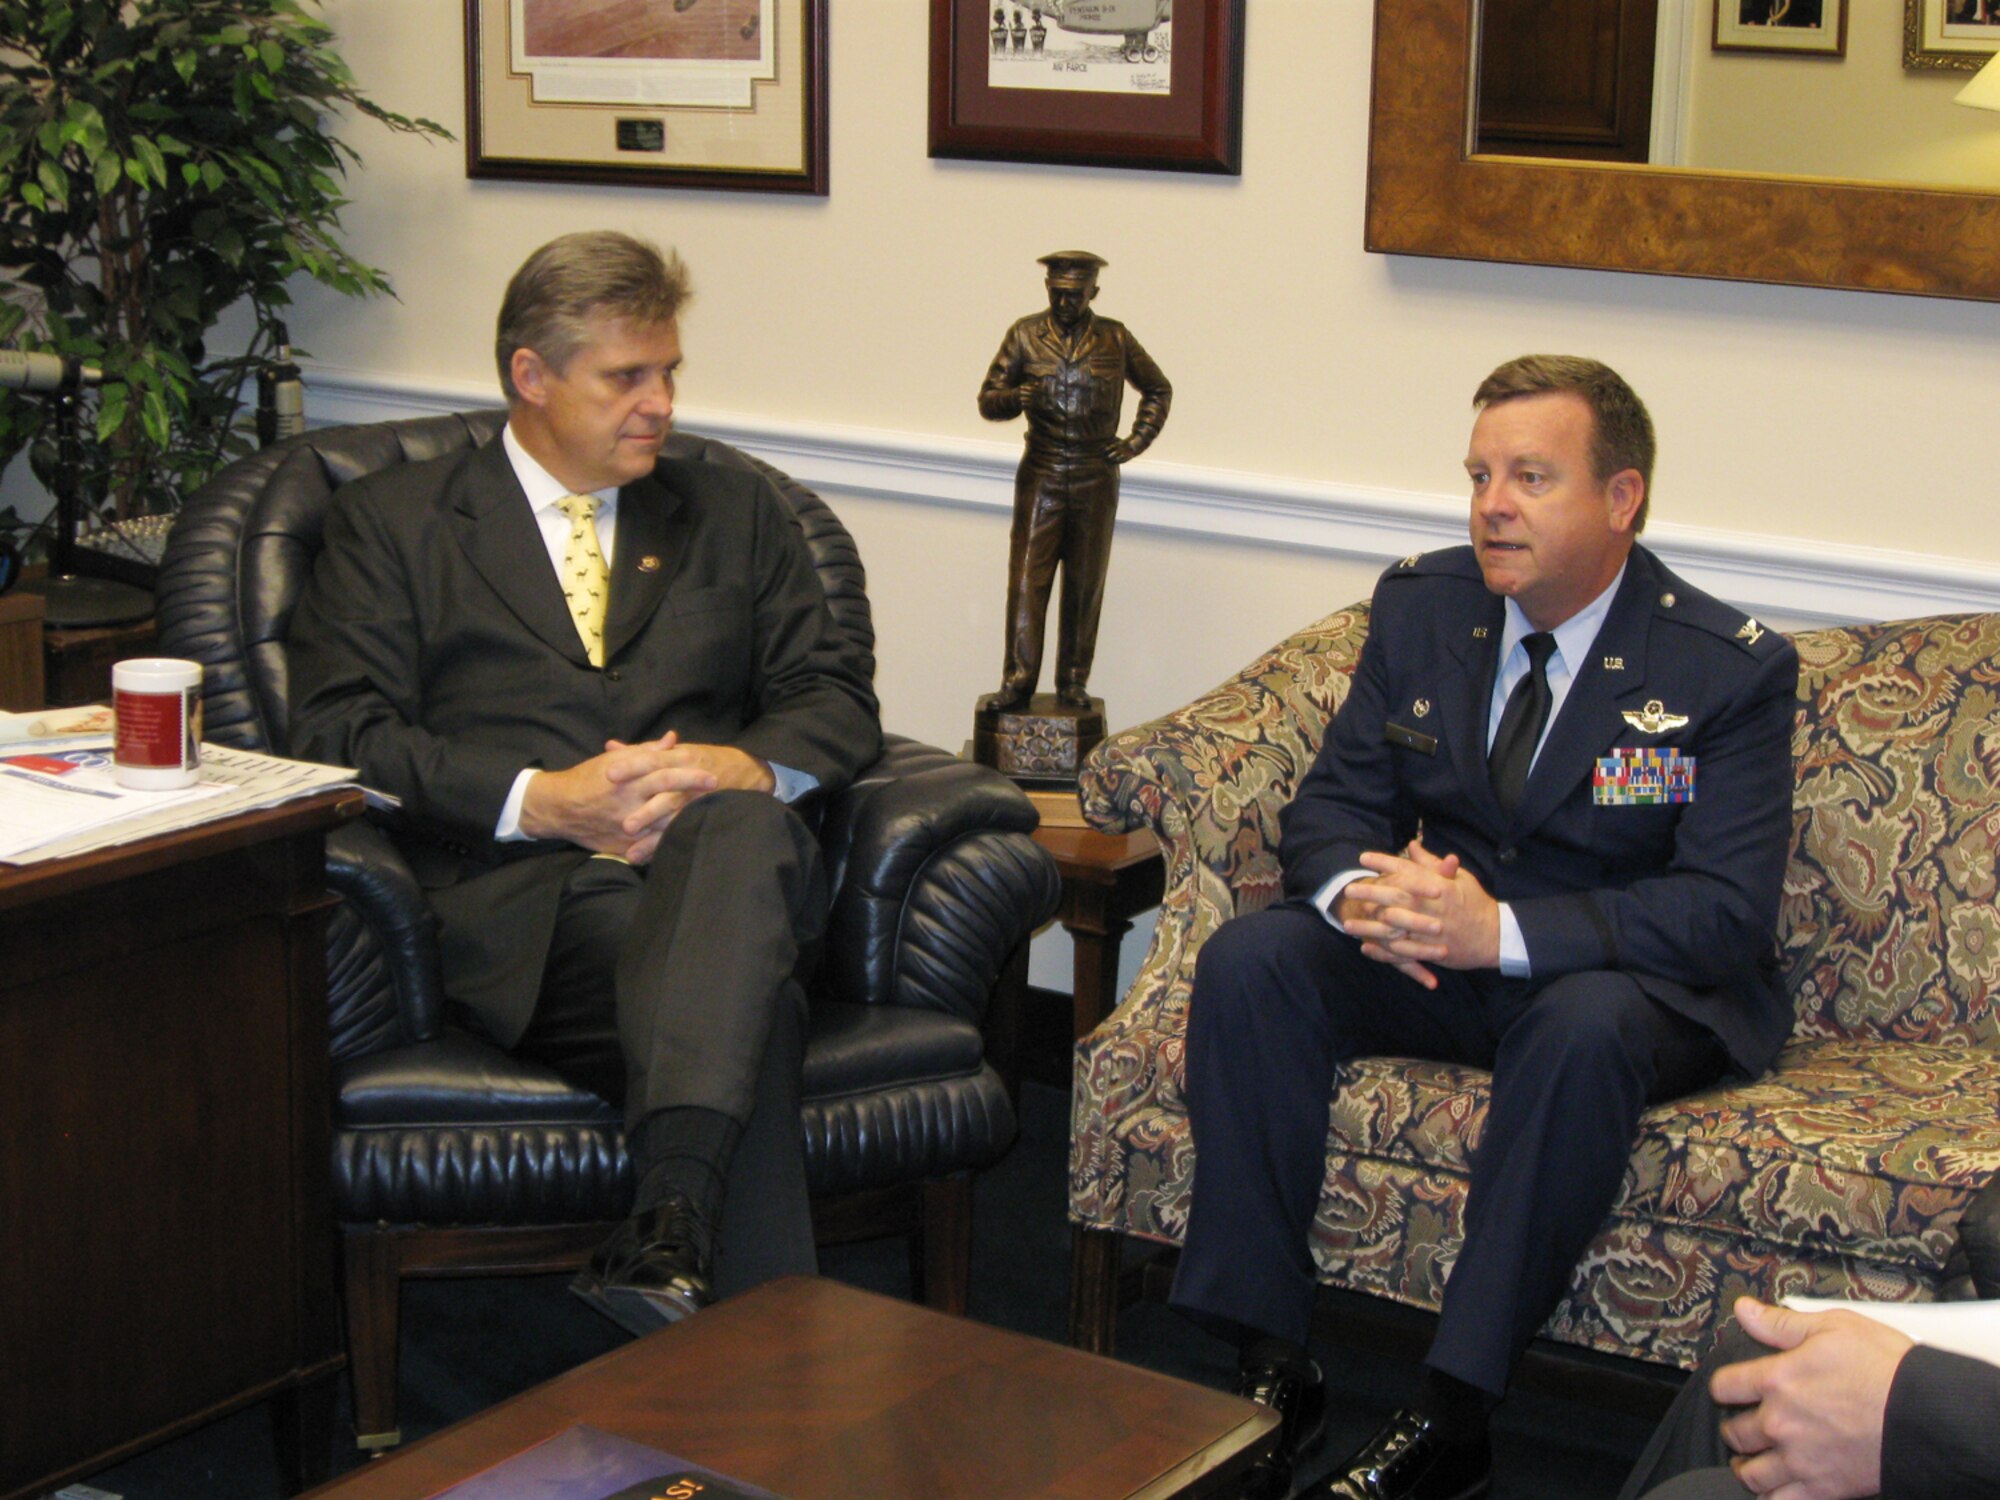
pixel 586 581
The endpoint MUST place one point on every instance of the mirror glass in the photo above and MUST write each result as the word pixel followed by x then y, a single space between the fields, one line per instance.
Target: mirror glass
pixel 1816 105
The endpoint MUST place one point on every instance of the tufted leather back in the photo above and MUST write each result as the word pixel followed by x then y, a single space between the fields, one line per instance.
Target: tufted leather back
pixel 240 555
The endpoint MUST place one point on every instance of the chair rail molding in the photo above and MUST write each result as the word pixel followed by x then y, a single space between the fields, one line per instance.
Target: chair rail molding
pixel 1796 582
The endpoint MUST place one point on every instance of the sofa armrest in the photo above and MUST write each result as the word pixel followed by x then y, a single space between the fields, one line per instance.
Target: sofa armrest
pixel 384 983
pixel 1210 779
pixel 936 881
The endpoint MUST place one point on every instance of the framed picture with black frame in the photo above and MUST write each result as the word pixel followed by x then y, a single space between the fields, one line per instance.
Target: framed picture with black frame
pixel 1155 84
pixel 648 93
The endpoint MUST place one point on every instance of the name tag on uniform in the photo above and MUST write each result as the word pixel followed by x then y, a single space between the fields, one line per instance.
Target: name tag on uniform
pixel 1409 739
pixel 1645 777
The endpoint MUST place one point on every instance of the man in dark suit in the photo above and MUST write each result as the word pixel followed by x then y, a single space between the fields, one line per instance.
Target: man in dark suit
pixel 1830 1404
pixel 597 680
pixel 1545 835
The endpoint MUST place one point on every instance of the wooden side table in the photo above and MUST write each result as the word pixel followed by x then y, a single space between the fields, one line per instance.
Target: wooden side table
pixel 21 651
pixel 1107 880
pixel 78 661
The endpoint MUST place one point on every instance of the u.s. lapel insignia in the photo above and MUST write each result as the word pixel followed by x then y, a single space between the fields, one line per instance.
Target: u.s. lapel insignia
pixel 1751 632
pixel 649 564
pixel 1479 632
pixel 1421 707
pixel 1614 663
pixel 1654 718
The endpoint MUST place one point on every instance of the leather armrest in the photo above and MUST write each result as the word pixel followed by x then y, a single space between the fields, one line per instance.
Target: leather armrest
pixel 937 881
pixel 364 868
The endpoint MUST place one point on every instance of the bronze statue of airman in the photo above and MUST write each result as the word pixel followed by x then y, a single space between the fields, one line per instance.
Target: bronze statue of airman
pixel 1066 368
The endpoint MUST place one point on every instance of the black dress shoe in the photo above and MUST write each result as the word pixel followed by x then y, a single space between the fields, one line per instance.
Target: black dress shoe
pixel 1299 1398
pixel 654 1269
pixel 1409 1460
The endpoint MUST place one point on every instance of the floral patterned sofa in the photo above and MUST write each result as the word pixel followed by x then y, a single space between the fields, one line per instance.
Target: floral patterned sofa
pixel 1844 1172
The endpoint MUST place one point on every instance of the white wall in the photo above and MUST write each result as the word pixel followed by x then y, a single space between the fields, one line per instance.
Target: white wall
pixel 1789 418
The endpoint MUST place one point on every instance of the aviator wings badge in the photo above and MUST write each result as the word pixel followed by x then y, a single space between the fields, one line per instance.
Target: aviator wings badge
pixel 1654 718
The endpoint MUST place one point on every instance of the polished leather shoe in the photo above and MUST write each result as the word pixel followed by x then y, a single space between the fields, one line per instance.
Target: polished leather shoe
pixel 1299 1399
pixel 653 1270
pixel 1409 1460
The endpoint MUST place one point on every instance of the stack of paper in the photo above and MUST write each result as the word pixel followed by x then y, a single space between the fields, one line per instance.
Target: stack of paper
pixel 58 796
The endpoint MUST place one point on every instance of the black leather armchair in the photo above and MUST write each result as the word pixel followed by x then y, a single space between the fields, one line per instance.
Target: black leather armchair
pixel 451 1157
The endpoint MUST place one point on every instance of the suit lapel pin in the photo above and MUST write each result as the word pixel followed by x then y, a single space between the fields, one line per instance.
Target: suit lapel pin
pixel 649 564
pixel 1654 718
pixel 1421 707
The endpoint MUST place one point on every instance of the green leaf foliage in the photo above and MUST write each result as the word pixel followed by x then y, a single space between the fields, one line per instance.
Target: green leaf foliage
pixel 162 161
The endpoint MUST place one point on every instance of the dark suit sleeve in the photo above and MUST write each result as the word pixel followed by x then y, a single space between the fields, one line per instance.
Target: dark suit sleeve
pixel 1352 799
pixel 1710 914
pixel 356 685
pixel 815 703
pixel 1941 1433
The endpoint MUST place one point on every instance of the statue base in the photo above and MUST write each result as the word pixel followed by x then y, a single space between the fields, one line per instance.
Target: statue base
pixel 1040 743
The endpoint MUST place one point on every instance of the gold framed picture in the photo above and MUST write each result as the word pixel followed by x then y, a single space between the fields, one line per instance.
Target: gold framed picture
pixel 1950 35
pixel 650 93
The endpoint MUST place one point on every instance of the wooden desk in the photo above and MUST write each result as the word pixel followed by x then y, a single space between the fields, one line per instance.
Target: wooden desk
pixel 821 1392
pixel 166 1228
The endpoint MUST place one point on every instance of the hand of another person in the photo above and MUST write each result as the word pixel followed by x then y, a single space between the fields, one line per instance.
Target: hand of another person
pixel 1421 910
pixel 1813 1430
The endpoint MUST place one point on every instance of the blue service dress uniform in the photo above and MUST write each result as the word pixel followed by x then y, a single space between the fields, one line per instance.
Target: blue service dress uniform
pixel 1648 912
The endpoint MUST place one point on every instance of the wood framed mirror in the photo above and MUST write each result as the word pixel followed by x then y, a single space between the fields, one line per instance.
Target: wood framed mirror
pixel 1428 194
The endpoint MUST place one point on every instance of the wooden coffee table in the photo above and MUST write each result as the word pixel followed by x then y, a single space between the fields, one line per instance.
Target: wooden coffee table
pixel 822 1392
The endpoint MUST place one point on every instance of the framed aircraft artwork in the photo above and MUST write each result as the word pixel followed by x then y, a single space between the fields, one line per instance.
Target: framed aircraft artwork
pixel 1103 83
pixel 648 93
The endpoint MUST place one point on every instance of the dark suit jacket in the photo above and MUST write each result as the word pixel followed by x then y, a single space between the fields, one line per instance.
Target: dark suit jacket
pixel 435 653
pixel 1684 897
pixel 1941 1432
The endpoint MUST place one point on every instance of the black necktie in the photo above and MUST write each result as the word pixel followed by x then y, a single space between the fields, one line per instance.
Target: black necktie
pixel 1522 723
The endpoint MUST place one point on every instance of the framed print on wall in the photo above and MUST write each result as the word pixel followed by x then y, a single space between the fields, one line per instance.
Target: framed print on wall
pixel 1103 83
pixel 692 93
pixel 1796 28
pixel 1953 35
